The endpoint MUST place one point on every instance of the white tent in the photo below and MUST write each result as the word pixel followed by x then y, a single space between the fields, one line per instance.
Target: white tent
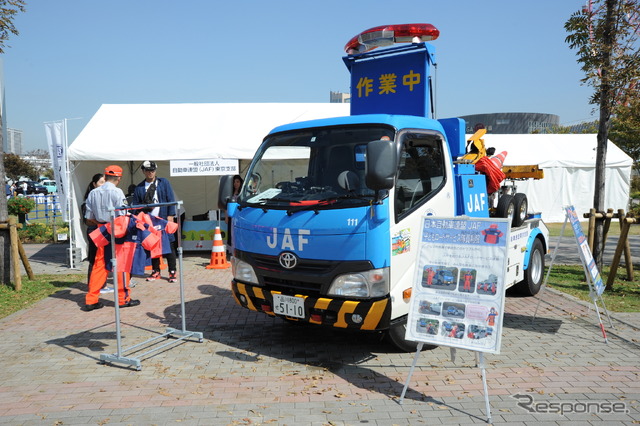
pixel 569 164
pixel 128 134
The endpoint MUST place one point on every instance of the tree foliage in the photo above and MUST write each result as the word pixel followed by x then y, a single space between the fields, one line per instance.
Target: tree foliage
pixel 8 11
pixel 605 36
pixel 608 55
pixel 15 168
pixel 625 131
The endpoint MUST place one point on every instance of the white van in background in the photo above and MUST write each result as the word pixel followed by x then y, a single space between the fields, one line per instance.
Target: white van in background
pixel 50 185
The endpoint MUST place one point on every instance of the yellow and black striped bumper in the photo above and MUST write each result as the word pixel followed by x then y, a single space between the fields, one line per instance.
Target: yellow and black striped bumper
pixel 353 314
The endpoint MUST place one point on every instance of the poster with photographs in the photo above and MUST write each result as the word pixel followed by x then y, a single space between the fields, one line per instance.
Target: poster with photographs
pixel 585 252
pixel 459 285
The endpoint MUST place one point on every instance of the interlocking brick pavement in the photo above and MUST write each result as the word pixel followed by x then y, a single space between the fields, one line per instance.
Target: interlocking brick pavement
pixel 254 369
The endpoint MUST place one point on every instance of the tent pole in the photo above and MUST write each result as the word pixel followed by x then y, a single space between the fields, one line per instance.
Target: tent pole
pixel 69 195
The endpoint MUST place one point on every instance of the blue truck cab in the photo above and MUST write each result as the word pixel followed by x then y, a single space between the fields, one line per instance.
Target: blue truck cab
pixel 326 227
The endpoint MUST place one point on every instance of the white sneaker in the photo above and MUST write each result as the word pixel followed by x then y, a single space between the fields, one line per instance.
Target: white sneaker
pixel 105 290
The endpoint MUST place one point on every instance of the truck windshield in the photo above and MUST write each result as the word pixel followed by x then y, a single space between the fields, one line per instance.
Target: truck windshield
pixel 320 168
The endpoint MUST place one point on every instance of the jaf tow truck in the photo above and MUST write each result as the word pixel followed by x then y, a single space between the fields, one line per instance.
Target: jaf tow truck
pixel 326 227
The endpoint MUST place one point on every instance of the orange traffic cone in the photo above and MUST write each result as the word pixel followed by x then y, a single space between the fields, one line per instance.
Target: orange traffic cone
pixel 498 159
pixel 218 255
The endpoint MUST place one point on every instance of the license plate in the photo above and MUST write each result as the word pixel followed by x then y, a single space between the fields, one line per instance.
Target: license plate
pixel 289 306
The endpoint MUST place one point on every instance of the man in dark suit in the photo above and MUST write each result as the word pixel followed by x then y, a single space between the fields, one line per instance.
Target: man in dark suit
pixel 153 190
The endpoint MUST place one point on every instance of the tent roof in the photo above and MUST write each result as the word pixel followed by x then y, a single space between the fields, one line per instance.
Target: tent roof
pixel 137 132
pixel 554 150
pixel 130 132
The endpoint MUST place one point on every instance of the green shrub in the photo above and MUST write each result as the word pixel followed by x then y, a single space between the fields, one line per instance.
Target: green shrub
pixel 40 232
pixel 20 205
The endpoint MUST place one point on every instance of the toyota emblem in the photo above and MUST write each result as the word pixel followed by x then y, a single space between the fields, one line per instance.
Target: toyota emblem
pixel 288 260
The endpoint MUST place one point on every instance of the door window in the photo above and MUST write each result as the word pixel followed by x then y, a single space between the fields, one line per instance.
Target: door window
pixel 420 171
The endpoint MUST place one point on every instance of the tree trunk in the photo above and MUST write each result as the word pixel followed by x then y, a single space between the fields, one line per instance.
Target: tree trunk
pixel 606 101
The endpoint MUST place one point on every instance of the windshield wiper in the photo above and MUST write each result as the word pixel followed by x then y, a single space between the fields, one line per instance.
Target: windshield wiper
pixel 328 201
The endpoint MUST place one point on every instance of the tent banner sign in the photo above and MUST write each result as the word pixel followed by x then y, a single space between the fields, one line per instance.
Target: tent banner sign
pixel 57 140
pixel 458 290
pixel 585 251
pixel 205 167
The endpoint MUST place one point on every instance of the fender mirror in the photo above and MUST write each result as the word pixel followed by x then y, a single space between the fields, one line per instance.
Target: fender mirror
pixel 380 165
pixel 225 191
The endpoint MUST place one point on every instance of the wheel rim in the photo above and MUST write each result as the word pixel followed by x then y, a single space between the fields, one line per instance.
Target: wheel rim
pixel 511 212
pixel 536 266
pixel 522 213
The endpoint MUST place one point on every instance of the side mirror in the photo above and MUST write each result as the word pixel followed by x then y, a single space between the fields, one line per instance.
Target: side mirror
pixel 380 165
pixel 225 191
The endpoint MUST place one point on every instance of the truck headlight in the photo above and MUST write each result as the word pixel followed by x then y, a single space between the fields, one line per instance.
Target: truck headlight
pixel 372 283
pixel 242 271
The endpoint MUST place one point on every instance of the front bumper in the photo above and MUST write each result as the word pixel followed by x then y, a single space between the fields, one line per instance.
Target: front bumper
pixel 350 314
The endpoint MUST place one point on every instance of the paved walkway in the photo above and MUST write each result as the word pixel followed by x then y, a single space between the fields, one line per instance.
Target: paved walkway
pixel 253 369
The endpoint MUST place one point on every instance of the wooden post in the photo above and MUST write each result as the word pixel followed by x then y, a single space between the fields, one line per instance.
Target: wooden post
pixel 18 247
pixel 616 257
pixel 627 248
pixel 605 228
pixel 15 259
pixel 25 261
pixel 592 228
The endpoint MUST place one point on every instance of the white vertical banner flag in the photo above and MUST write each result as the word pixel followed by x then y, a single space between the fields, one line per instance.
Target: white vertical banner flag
pixel 56 138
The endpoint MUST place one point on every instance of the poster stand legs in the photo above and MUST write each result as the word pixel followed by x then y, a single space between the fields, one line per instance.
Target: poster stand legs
pixel 553 259
pixel 484 385
pixel 479 363
pixel 413 366
pixel 120 356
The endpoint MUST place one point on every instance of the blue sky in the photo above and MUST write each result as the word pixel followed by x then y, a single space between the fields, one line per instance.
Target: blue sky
pixel 73 55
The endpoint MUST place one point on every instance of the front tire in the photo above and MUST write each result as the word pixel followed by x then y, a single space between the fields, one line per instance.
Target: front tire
pixel 533 275
pixel 395 336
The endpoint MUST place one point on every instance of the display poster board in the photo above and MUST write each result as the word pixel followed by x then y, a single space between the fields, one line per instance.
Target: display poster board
pixel 585 251
pixel 198 235
pixel 458 292
pixel 204 167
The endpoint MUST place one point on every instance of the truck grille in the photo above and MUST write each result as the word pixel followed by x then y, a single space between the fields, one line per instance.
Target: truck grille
pixel 310 276
pixel 304 266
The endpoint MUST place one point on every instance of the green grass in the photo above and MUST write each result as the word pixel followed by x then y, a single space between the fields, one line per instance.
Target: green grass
pixel 624 297
pixel 34 290
pixel 614 229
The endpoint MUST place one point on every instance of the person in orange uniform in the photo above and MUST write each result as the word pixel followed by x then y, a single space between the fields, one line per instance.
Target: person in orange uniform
pixel 430 274
pixel 467 281
pixel 491 318
pixel 100 200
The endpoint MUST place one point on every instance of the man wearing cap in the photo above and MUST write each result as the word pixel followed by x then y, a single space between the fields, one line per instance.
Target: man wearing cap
pixel 100 200
pixel 154 190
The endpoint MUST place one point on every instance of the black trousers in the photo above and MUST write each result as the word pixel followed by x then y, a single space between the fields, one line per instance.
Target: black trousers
pixel 171 259
pixel 91 251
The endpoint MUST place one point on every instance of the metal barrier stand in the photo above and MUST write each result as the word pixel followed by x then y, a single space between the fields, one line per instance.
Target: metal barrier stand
pixel 180 335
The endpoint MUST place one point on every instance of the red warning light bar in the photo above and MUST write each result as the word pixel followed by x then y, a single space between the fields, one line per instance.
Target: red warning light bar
pixel 386 35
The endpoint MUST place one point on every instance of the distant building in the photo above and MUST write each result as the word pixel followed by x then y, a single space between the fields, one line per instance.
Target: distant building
pixel 586 127
pixel 511 122
pixel 14 141
pixel 339 98
pixel 39 162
